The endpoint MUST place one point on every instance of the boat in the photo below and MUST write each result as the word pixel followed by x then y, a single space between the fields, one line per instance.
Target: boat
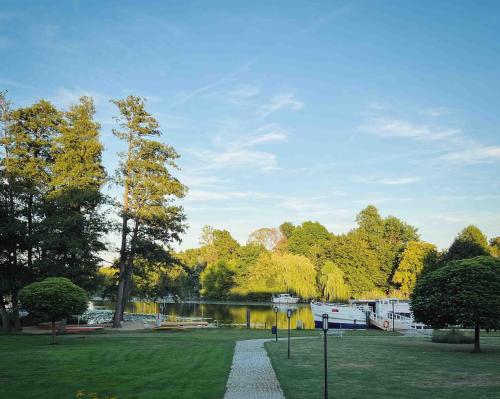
pixel 390 313
pixel 285 298
pixel 340 316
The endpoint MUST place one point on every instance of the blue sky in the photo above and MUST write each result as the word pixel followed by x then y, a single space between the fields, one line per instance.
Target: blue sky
pixel 288 110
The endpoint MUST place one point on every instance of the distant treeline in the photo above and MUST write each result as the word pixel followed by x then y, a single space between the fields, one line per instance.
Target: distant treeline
pixel 380 257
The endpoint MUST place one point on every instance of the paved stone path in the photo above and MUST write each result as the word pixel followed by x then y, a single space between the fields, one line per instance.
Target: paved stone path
pixel 252 376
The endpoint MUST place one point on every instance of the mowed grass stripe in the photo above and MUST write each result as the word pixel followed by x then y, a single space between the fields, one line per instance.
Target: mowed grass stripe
pixel 385 366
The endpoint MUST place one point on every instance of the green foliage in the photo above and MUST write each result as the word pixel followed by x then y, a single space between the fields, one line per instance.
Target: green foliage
pixel 217 280
pixel 416 257
pixel 54 298
pixel 464 292
pixel 333 283
pixel 287 229
pixel 149 191
pixel 452 336
pixel 471 242
pixel 310 239
pixel 275 273
pixel 495 246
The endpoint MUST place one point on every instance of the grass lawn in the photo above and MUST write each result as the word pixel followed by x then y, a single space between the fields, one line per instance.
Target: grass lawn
pixel 375 365
pixel 149 365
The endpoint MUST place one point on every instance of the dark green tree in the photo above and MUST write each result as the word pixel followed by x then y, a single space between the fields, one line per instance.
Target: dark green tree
pixel 469 243
pixel 148 211
pixel 217 280
pixel 25 168
pixel 73 225
pixel 464 292
pixel 287 229
pixel 54 299
pixel 495 246
pixel 310 239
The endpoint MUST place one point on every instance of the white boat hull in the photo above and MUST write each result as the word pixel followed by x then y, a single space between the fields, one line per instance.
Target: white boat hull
pixel 290 299
pixel 340 316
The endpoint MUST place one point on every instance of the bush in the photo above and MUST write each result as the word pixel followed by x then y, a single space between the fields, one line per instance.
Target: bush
pixel 53 299
pixel 452 336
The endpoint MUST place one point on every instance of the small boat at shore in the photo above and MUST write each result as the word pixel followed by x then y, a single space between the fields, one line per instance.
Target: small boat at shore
pixel 285 298
pixel 340 316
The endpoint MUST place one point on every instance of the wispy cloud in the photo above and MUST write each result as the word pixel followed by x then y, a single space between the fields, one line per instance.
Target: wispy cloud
pixel 281 101
pixel 242 93
pixel 434 112
pixel 385 127
pixel 397 181
pixel 184 97
pixel 238 150
pixel 477 154
pixel 13 83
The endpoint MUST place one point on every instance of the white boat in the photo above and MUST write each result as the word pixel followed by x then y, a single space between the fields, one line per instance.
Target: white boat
pixel 340 316
pixel 389 313
pixel 285 298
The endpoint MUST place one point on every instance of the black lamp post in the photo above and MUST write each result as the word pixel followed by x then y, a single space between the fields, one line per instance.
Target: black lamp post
pixel 289 315
pixel 325 347
pixel 393 300
pixel 276 312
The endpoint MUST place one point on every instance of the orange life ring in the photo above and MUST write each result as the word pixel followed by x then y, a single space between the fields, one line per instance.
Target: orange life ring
pixel 386 324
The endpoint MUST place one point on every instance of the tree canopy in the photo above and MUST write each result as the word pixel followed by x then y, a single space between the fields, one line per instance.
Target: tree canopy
pixel 464 292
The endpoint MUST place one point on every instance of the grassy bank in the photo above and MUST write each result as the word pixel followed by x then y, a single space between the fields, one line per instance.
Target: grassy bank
pixel 381 366
pixel 149 365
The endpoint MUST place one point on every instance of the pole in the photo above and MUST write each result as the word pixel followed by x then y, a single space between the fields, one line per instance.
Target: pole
pixel 393 316
pixel 289 337
pixel 326 362
pixel 276 325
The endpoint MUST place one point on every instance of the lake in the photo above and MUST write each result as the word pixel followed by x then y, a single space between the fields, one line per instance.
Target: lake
pixel 262 314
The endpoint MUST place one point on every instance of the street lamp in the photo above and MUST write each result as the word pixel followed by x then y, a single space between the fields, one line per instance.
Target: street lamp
pixel 325 346
pixel 289 315
pixel 393 301
pixel 276 312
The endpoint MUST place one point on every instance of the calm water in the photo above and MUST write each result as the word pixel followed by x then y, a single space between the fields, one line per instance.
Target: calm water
pixel 261 315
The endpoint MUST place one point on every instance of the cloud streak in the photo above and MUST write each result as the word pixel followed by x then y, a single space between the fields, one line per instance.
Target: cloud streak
pixel 281 101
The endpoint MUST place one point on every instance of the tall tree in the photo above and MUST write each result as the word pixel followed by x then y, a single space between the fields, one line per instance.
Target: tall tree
pixel 416 257
pixel 73 225
pixel 287 229
pixel 311 239
pixel 149 190
pixel 27 135
pixel 469 243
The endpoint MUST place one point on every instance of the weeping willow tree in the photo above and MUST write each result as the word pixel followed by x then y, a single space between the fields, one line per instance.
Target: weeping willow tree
pixel 333 283
pixel 276 273
pixel 297 273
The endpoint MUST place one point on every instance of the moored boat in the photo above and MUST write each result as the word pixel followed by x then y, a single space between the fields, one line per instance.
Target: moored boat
pixel 340 316
pixel 285 298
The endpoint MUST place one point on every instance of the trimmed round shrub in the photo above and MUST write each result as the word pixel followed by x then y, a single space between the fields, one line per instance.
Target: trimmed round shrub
pixel 53 299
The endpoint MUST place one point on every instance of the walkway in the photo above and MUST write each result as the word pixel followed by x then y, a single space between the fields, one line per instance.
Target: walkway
pixel 252 375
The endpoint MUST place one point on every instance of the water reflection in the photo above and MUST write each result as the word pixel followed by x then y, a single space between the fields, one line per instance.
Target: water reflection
pixel 261 315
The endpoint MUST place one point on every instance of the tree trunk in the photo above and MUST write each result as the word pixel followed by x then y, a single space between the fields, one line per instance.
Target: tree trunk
pixel 30 232
pixel 122 276
pixel 129 268
pixel 477 347
pixel 6 327
pixel 15 313
pixel 54 332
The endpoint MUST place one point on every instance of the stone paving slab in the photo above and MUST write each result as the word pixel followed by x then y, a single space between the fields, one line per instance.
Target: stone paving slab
pixel 252 376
